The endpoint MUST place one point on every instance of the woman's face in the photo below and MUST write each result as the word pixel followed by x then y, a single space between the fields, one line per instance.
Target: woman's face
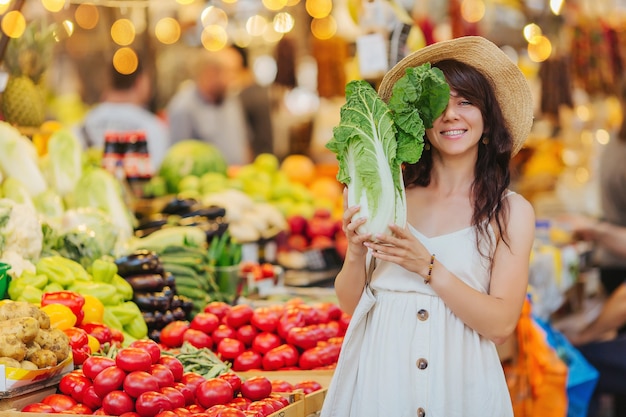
pixel 458 129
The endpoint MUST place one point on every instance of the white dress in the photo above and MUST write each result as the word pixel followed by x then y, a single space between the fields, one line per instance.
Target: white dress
pixel 406 354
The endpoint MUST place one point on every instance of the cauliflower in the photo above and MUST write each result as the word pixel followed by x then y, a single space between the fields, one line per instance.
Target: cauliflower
pixel 20 230
pixel 18 264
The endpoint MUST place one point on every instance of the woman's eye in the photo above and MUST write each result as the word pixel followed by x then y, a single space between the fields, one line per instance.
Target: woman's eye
pixel 465 103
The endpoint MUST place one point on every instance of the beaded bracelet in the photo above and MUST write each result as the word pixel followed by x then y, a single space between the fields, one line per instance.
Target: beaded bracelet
pixel 430 269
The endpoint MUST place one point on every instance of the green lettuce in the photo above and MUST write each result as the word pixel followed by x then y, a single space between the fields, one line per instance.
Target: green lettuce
pixel 374 139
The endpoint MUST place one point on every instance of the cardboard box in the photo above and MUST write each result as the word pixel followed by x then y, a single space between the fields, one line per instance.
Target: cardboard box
pixel 16 381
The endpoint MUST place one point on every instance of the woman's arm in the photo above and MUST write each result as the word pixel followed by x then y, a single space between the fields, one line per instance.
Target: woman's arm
pixel 493 315
pixel 605 234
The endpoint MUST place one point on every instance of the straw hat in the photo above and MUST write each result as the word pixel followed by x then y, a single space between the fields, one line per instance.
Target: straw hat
pixel 508 82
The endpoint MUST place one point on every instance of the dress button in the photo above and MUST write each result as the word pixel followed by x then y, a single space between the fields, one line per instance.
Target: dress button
pixel 422 315
pixel 422 363
pixel 421 412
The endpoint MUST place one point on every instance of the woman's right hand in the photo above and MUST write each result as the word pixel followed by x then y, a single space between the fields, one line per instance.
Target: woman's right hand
pixel 356 247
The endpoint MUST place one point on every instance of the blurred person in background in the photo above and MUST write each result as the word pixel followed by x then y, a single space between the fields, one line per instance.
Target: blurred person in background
pixel 256 102
pixel 603 340
pixel 124 107
pixel 205 108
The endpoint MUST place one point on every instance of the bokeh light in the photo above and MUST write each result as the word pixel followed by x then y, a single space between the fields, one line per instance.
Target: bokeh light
pixel 283 22
pixel 324 28
pixel 473 10
pixel 13 24
pixel 53 5
pixel 4 6
pixel 214 16
pixel 319 9
pixel 214 38
pixel 531 30
pixel 167 31
pixel 274 5
pixel 539 48
pixel 87 16
pixel 256 25
pixel 270 36
pixel 123 32
pixel 125 61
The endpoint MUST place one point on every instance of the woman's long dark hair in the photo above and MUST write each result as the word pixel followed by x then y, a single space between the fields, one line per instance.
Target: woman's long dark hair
pixel 492 165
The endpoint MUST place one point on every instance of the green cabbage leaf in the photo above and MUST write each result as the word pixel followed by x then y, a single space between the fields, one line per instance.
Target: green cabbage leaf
pixel 374 139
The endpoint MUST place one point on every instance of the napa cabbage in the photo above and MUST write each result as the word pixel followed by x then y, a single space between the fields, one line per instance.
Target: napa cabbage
pixel 374 139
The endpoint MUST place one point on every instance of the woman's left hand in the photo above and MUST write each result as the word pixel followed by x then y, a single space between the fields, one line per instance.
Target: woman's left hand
pixel 403 248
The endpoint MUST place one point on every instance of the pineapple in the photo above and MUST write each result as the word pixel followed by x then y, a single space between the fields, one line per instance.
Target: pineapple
pixel 26 60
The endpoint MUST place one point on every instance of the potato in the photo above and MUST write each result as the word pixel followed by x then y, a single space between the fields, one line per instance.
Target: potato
pixel 43 358
pixel 25 328
pixel 9 362
pixel 28 365
pixel 12 347
pixel 16 309
pixel 31 348
pixel 54 340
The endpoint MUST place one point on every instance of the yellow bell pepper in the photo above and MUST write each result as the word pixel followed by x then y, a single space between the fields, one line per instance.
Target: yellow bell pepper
pixel 61 317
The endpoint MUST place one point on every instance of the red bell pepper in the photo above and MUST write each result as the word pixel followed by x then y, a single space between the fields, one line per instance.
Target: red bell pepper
pixel 70 299
pixel 100 331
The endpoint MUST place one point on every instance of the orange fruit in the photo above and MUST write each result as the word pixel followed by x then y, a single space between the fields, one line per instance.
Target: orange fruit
pixel 298 168
pixel 326 188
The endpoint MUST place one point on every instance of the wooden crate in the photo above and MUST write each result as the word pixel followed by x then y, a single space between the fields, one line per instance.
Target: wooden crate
pixel 295 409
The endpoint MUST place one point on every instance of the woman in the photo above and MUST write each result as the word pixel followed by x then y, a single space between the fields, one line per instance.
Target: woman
pixel 450 285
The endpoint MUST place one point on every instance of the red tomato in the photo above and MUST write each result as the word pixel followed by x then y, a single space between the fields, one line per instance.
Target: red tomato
pixel 233 379
pixel 223 331
pixel 167 413
pixel 94 364
pixel 197 338
pixel 305 337
pixel 91 399
pixel 280 385
pixel 214 411
pixel 78 337
pixel 150 346
pixel 176 397
pixel 172 334
pixel 264 319
pixel 280 357
pixel 74 385
pixel 130 414
pixel 219 308
pixel 263 407
pixel 151 403
pixel 38 408
pixel 344 321
pixel 239 315
pixel 79 409
pixel 308 386
pixel 175 366
pixel 231 412
pixel 230 348
pixel 264 342
pixel 187 392
pixel 240 403
pixel 292 317
pixel 163 374
pixel 117 402
pixel 256 388
pixel 182 412
pixel 332 310
pixel 214 391
pixel 100 412
pixel 192 380
pixel 59 402
pixel 276 403
pixel 254 413
pixel 110 379
pixel 248 360
pixel 283 400
pixel 205 322
pixel 133 359
pixel 246 334
pixel 195 408
pixel 138 382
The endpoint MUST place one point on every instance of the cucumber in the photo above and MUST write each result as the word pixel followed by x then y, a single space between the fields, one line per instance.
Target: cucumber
pixel 191 283
pixel 181 270
pixel 192 293
pixel 170 236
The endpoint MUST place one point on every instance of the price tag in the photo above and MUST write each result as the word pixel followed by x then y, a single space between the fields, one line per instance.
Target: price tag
pixel 372 55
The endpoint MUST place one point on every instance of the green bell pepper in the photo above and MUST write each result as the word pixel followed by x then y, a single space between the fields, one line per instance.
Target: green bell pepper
pixel 103 270
pixel 137 328
pixel 125 312
pixel 123 286
pixel 107 293
pixel 110 320
pixel 30 295
pixel 56 270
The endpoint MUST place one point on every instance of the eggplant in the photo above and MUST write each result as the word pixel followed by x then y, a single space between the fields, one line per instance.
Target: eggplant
pixel 153 301
pixel 141 261
pixel 155 334
pixel 209 213
pixel 146 282
pixel 179 206
pixel 179 314
pixel 154 319
pixel 170 279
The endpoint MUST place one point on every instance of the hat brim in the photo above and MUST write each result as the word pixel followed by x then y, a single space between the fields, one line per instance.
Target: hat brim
pixel 508 82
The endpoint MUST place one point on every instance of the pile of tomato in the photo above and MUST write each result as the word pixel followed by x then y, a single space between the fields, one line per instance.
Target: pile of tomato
pixel 294 335
pixel 140 382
